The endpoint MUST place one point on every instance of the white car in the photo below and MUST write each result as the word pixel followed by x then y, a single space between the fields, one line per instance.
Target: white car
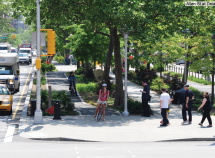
pixel 13 50
pixel 34 53
pixel 24 58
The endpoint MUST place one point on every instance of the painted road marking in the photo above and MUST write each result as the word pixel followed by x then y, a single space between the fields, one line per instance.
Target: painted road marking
pixel 9 135
pixel 23 90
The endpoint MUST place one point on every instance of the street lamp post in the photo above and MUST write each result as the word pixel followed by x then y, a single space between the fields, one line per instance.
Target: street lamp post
pixel 125 113
pixel 38 116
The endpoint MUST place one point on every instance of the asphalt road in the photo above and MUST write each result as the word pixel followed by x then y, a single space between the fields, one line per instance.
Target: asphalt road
pixel 12 121
pixel 108 150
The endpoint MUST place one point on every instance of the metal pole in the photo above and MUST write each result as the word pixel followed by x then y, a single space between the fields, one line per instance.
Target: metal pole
pixel 125 113
pixel 38 116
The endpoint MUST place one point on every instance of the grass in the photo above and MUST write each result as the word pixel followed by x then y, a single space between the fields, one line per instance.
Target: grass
pixel 43 80
pixel 90 87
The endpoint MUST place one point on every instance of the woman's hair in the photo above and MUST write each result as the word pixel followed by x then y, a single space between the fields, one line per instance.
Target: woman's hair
pixel 206 94
pixel 103 92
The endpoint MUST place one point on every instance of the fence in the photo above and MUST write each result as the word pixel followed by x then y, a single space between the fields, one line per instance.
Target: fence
pixel 181 71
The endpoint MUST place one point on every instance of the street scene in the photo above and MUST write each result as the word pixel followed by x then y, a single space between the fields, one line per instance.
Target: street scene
pixel 107 79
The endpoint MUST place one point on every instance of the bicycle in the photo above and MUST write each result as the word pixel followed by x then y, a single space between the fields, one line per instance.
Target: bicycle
pixel 99 113
pixel 72 89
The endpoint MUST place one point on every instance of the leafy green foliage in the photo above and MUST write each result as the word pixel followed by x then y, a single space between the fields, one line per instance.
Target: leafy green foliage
pixel 43 81
pixel 47 68
pixel 90 87
pixel 59 59
pixel 158 83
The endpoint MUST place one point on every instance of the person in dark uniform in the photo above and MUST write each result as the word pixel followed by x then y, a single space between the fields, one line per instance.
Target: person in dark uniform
pixel 187 105
pixel 145 99
pixel 206 109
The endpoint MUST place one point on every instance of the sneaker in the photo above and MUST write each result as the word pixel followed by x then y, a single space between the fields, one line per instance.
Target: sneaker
pixel 184 122
pixel 190 122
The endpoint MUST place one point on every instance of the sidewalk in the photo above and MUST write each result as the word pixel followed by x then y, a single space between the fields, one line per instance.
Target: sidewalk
pixel 115 128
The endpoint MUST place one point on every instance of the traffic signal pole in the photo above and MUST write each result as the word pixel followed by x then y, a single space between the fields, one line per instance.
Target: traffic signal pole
pixel 38 116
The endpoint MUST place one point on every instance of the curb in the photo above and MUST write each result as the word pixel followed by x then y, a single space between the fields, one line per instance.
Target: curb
pixel 23 117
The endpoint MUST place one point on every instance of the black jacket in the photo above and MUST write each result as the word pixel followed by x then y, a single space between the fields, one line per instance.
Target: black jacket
pixel 146 95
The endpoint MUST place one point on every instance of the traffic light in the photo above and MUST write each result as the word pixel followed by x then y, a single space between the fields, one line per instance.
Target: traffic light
pixel 51 42
pixel 13 36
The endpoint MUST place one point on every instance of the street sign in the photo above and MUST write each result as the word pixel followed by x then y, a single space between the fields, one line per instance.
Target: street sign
pixel 2 37
pixel 34 39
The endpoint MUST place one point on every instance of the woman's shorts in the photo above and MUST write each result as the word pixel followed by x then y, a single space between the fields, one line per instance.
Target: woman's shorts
pixel 102 102
pixel 168 111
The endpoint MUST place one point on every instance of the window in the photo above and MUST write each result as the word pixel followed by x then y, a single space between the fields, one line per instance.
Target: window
pixel 6 70
pixel 4 91
pixel 3 48
pixel 24 51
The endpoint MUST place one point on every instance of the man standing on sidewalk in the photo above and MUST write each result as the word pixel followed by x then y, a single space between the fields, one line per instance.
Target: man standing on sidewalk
pixel 187 105
pixel 145 99
pixel 164 105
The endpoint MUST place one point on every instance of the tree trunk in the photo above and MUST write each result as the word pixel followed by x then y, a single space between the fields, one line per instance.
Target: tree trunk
pixel 118 69
pixel 212 75
pixel 148 66
pixel 78 64
pixel 108 62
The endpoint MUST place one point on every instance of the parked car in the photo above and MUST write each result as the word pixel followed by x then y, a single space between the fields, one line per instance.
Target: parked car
pixel 24 58
pixel 6 99
pixel 34 53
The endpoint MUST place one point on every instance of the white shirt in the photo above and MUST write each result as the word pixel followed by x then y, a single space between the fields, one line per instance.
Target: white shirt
pixel 70 56
pixel 165 100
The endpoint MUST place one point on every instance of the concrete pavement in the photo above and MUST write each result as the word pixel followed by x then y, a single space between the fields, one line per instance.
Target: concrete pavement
pixel 116 128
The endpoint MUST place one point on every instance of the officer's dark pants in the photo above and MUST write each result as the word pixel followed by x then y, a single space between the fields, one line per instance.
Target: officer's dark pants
pixel 184 113
pixel 145 106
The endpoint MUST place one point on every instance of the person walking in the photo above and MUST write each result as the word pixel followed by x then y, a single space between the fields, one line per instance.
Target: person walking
pixel 70 59
pixel 164 106
pixel 66 59
pixel 72 81
pixel 206 109
pixel 187 105
pixel 145 99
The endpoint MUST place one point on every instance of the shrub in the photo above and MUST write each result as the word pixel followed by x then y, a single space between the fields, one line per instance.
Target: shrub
pixel 47 68
pixel 43 81
pixel 63 96
pixel 43 59
pixel 158 84
pixel 90 87
pixel 59 59
pixel 80 71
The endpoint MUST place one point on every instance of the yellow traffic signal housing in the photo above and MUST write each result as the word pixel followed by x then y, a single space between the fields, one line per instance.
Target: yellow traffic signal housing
pixel 13 36
pixel 38 63
pixel 51 42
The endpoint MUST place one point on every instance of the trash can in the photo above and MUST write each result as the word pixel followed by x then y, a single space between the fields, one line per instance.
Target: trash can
pixel 34 106
pixel 57 110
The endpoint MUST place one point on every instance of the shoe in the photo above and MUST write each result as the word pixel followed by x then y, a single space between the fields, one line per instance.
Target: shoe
pixel 200 124
pixel 209 126
pixel 163 125
pixel 184 122
pixel 69 88
pixel 190 122
pixel 161 122
pixel 142 115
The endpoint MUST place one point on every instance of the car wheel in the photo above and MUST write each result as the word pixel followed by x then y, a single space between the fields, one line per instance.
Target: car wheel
pixel 27 63
pixel 10 112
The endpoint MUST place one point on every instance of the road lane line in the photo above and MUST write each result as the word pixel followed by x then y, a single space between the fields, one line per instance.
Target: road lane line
pixel 9 135
pixel 23 90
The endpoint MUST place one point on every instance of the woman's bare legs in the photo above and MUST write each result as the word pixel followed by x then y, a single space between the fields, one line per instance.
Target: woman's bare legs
pixel 97 108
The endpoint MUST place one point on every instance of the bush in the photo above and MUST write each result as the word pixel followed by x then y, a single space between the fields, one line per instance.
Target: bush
pixel 90 87
pixel 59 59
pixel 80 71
pixel 43 59
pixel 43 81
pixel 199 80
pixel 159 68
pixel 47 68
pixel 63 96
pixel 158 84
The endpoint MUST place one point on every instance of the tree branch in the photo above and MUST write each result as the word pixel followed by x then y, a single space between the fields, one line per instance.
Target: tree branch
pixel 102 33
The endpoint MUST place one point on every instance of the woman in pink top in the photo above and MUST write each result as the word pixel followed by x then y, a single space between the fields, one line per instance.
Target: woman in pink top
pixel 103 98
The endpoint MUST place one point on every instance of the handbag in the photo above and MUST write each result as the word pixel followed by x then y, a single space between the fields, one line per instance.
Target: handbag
pixel 149 98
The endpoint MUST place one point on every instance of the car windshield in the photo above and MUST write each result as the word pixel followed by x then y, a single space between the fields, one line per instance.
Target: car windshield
pixel 23 55
pixel 3 48
pixel 24 51
pixel 13 51
pixel 4 91
pixel 6 70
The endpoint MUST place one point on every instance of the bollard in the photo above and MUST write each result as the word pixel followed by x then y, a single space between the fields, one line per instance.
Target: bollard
pixel 57 110
pixel 176 69
pixel 33 106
